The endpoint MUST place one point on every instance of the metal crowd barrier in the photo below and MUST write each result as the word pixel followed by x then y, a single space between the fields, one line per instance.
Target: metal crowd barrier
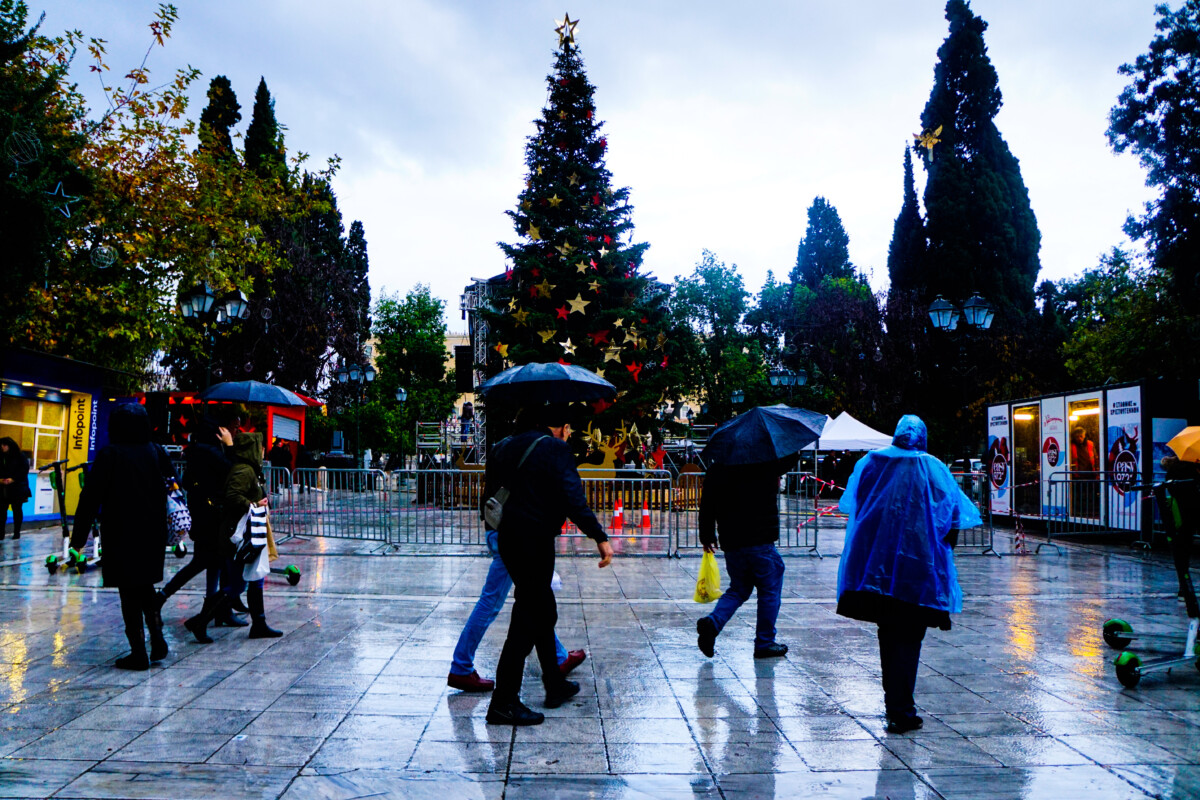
pixel 634 506
pixel 799 513
pixel 335 503
pixel 437 507
pixel 978 488
pixel 1081 503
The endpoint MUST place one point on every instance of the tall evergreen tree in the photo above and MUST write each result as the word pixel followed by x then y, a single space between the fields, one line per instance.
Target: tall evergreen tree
pixel 982 234
pixel 264 140
pixel 218 118
pixel 574 291
pixel 1157 118
pixel 825 249
pixel 907 249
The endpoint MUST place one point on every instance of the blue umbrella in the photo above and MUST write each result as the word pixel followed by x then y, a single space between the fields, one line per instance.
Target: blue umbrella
pixel 546 383
pixel 252 392
pixel 763 434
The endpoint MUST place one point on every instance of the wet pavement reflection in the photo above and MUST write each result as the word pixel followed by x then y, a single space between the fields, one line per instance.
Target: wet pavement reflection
pixel 1020 700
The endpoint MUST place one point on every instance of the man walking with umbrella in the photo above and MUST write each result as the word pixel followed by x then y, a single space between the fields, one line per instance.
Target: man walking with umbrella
pixel 740 499
pixel 538 469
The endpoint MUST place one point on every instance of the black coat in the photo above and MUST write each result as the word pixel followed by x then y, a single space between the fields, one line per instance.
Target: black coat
pixel 126 488
pixel 545 491
pixel 13 464
pixel 204 481
pixel 742 503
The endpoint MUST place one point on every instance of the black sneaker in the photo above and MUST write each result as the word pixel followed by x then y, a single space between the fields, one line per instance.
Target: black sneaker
pixel 707 638
pixel 773 650
pixel 514 713
pixel 561 693
pixel 904 724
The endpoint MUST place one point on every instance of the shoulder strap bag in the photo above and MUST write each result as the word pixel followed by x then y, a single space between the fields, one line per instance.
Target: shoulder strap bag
pixel 493 509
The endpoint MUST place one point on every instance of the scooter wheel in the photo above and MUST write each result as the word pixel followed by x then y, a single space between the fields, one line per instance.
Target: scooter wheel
pixel 52 564
pixel 293 574
pixel 180 550
pixel 1112 634
pixel 1129 669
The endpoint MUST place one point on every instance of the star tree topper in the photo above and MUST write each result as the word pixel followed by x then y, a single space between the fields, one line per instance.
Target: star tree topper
pixel 565 30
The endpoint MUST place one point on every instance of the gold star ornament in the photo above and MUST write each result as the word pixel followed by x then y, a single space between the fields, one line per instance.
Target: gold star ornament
pixel 568 347
pixel 534 233
pixel 565 28
pixel 578 304
pixel 546 336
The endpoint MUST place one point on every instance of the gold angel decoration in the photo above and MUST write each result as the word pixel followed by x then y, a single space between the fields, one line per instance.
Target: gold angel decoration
pixel 928 139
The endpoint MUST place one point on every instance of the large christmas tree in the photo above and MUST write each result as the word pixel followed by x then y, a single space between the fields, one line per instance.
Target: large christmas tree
pixel 574 291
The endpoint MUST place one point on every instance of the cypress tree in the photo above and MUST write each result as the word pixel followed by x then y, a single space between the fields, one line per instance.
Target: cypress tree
pixel 907 249
pixel 574 292
pixel 825 249
pixel 982 234
pixel 264 141
pixel 219 116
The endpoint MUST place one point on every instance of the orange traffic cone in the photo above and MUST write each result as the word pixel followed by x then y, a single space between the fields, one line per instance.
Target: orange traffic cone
pixel 645 515
pixel 619 515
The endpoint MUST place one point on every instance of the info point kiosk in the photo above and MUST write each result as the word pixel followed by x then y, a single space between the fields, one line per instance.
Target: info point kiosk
pixel 1072 456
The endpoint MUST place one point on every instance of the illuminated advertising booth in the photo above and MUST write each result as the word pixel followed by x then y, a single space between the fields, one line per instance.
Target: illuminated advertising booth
pixel 1073 456
pixel 53 408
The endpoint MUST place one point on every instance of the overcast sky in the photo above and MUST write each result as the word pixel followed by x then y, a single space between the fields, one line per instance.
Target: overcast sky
pixel 725 119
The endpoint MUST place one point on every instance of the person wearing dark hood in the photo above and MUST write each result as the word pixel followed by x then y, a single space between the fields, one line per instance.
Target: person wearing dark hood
pixel 14 484
pixel 244 488
pixel 207 467
pixel 897 569
pixel 741 502
pixel 127 489
pixel 538 469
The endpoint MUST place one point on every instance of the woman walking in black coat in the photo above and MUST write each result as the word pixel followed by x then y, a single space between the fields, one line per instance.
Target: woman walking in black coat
pixel 127 488
pixel 14 484
pixel 204 477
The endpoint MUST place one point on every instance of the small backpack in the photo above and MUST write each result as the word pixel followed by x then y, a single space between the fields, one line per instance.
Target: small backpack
pixel 493 509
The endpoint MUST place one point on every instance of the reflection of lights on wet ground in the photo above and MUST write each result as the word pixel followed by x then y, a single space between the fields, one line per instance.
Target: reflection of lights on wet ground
pixel 1021 619
pixel 1084 640
pixel 16 651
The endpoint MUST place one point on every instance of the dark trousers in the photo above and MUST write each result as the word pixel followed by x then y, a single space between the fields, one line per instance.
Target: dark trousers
pixel 138 604
pixel 254 599
pixel 203 558
pixel 18 515
pixel 899 654
pixel 529 559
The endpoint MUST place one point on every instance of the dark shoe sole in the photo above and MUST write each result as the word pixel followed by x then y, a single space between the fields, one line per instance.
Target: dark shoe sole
pixel 771 653
pixel 159 651
pixel 707 639
pixel 905 725
pixel 132 662
pixel 561 694
pixel 199 632
pixel 504 719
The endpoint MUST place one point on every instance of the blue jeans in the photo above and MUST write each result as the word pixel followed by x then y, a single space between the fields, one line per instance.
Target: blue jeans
pixel 759 567
pixel 487 608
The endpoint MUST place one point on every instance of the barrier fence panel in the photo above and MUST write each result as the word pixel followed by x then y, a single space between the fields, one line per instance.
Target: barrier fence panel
pixel 334 503
pixel 977 487
pixel 798 515
pixel 1094 502
pixel 437 507
pixel 633 508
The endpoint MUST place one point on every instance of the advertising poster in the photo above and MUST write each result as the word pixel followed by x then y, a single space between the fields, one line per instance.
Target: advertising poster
pixel 1164 430
pixel 1123 462
pixel 79 440
pixel 998 460
pixel 1054 456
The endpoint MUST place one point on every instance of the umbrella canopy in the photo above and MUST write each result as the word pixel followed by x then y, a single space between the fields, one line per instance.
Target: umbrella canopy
pixel 763 434
pixel 546 383
pixel 1186 444
pixel 252 392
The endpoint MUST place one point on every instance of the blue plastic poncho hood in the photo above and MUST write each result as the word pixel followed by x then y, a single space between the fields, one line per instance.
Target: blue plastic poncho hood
pixel 902 502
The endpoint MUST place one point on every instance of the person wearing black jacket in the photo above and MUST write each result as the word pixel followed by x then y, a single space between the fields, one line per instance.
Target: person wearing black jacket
pixel 14 484
pixel 544 492
pixel 742 503
pixel 127 488
pixel 204 475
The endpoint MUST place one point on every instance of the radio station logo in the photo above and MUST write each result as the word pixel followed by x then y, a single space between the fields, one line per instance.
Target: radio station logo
pixel 1051 450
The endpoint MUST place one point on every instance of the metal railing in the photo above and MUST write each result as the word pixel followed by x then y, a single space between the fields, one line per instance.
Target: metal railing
pixel 977 487
pixel 1081 503
pixel 799 513
pixel 334 503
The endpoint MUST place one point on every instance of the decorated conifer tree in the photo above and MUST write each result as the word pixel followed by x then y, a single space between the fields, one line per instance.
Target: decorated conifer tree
pixel 574 292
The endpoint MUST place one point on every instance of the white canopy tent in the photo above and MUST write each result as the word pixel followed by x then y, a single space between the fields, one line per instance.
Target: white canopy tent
pixel 847 433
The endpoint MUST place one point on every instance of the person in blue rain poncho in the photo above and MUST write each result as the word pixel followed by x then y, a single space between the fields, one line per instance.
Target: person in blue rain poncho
pixel 897 568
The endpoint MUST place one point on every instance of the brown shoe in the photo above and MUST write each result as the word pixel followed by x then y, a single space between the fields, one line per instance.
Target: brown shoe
pixel 470 683
pixel 574 659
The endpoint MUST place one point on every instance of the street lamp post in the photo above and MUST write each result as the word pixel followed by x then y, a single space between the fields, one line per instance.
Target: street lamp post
pixel 737 397
pixel 977 315
pixel 401 396
pixel 358 377
pixel 788 378
pixel 200 305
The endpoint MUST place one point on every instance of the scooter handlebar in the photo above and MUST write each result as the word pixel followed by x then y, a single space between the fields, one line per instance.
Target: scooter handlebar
pixel 51 465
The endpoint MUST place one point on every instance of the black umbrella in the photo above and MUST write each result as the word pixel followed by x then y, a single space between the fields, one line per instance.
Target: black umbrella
pixel 546 383
pixel 763 434
pixel 252 392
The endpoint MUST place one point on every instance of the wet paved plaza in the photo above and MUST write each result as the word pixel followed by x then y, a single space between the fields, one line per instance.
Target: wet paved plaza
pixel 1019 700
